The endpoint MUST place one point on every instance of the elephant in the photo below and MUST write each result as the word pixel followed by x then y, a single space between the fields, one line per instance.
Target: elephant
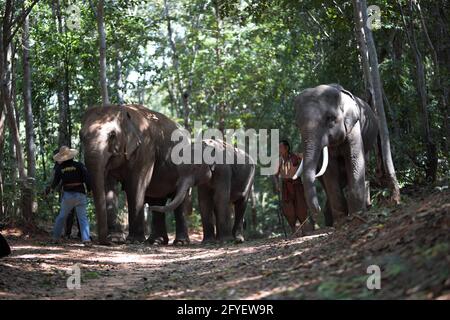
pixel 220 185
pixel 332 119
pixel 131 144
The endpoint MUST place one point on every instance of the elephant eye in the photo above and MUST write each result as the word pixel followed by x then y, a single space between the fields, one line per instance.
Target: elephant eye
pixel 331 118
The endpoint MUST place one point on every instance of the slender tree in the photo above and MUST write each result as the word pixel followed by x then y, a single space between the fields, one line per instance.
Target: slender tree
pixel 102 49
pixel 29 199
pixel 370 66
pixel 183 95
pixel 218 51
pixel 119 80
pixel 439 78
pixel 62 86
pixel 432 160
pixel 6 95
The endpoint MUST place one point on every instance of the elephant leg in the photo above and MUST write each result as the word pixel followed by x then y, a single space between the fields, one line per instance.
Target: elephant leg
pixel 135 196
pixel 355 169
pixel 136 221
pixel 136 218
pixel 239 212
pixel 181 234
pixel 115 230
pixel 223 214
pixel 328 216
pixel 206 204
pixel 158 233
pixel 335 195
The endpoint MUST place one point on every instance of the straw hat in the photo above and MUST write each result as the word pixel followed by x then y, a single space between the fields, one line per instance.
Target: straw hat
pixel 64 154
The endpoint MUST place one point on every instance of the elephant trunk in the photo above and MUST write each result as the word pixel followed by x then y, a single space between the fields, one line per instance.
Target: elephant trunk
pixel 96 170
pixel 311 159
pixel 179 197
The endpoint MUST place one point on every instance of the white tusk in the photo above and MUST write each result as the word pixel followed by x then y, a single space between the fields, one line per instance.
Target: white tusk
pixel 299 171
pixel 324 162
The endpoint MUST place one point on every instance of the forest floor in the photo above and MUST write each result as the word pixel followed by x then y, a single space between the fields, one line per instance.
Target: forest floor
pixel 410 243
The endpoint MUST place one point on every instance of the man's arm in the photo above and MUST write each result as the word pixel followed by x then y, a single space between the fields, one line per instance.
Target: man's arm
pixel 56 179
pixel 86 177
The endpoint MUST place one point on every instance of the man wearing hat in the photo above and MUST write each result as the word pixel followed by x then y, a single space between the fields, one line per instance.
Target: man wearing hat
pixel 74 178
pixel 72 214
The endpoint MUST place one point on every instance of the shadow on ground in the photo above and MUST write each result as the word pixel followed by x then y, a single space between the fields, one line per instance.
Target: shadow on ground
pixel 409 243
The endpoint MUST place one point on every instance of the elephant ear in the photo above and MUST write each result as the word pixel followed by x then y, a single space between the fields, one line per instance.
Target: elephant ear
pixel 350 109
pixel 133 136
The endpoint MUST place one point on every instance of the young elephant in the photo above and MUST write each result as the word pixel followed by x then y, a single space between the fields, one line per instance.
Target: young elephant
pixel 331 119
pixel 219 186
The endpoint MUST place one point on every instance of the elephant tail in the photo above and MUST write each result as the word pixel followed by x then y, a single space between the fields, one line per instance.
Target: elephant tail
pixel 178 199
pixel 250 181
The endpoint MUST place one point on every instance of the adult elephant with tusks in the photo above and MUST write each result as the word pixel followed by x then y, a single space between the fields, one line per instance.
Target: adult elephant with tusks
pixel 340 128
pixel 222 185
pixel 131 144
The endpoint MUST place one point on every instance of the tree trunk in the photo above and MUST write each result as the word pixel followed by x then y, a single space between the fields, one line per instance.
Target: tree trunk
pixel 380 172
pixel 395 52
pixel 67 99
pixel 6 89
pixel 368 49
pixel 439 78
pixel 30 147
pixel 173 101
pixel 29 199
pixel 62 95
pixel 42 126
pixel 183 96
pixel 2 126
pixel 119 81
pixel 12 124
pixel 2 211
pixel 363 52
pixel 102 49
pixel 443 56
pixel 432 160
pixel 219 89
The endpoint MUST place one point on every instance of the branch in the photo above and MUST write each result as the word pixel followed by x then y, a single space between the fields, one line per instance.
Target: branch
pixel 427 37
pixel 19 20
pixel 339 8
pixel 318 23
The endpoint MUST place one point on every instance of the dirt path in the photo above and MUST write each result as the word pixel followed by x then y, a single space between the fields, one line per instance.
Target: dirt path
pixel 410 244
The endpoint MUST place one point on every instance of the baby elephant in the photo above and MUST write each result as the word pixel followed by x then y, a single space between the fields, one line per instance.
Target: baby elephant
pixel 224 177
